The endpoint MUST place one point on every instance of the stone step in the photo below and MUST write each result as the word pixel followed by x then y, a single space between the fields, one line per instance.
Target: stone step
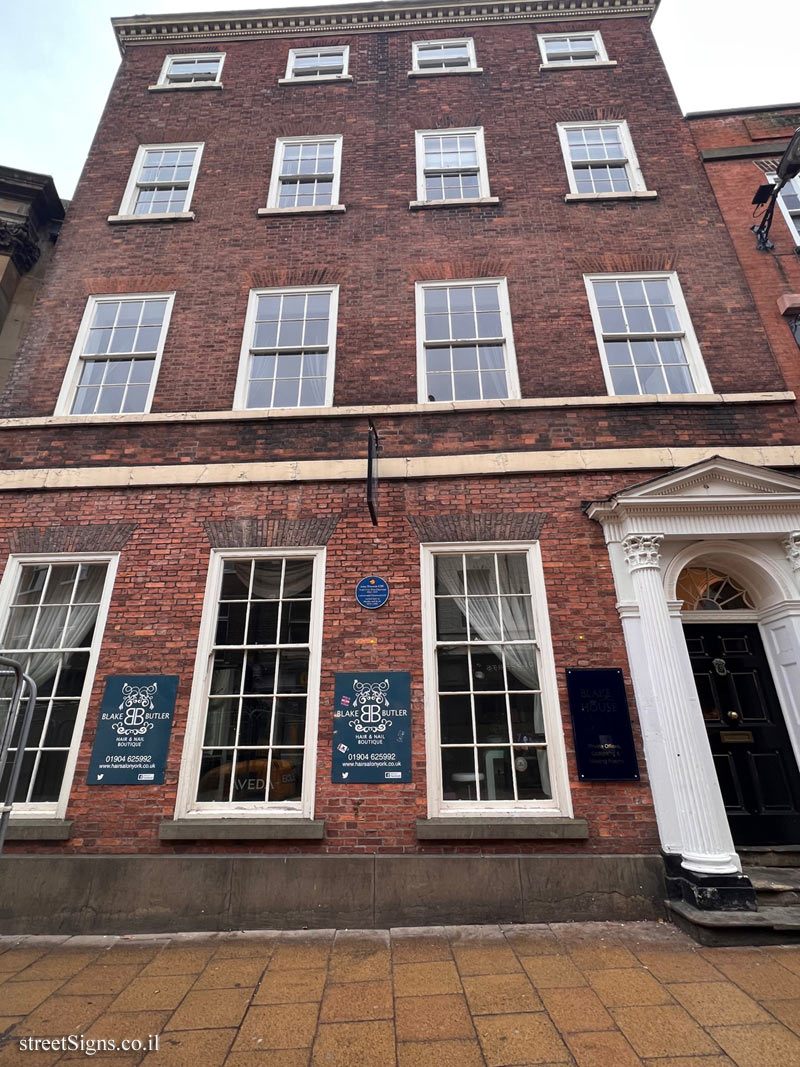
pixel 769 855
pixel 770 925
pixel 776 885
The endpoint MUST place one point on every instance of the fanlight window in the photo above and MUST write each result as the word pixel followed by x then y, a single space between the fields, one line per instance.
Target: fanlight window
pixel 705 589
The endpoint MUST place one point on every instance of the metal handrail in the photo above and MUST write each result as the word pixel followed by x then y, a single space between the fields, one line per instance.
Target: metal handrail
pixel 10 668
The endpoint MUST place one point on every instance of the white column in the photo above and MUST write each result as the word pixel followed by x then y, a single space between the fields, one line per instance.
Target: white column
pixel 706 842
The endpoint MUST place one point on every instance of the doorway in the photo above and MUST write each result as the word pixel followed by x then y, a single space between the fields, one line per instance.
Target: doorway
pixel 758 774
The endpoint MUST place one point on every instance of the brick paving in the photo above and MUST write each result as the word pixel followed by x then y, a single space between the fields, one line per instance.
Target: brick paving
pixel 586 995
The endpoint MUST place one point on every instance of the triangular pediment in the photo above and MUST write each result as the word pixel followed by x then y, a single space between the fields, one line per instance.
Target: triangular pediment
pixel 715 479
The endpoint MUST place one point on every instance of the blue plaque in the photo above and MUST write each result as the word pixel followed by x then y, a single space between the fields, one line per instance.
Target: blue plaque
pixel 372 727
pixel 130 746
pixel 601 723
pixel 372 592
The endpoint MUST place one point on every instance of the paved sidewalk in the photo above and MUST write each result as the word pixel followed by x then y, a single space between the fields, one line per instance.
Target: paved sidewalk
pixel 590 994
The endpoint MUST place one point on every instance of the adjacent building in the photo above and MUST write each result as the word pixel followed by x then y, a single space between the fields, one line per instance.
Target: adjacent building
pixel 561 645
pixel 30 219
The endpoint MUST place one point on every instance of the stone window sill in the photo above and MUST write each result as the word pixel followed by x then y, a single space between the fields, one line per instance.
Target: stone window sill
pixel 315 80
pixel 579 66
pixel 635 194
pixel 175 216
pixel 182 88
pixel 266 829
pixel 39 830
pixel 323 209
pixel 423 205
pixel 498 828
pixel 440 73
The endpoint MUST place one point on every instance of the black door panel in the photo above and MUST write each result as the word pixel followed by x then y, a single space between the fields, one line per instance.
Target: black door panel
pixel 755 764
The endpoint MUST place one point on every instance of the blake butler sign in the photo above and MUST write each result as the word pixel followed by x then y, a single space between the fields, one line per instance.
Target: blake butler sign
pixel 372 727
pixel 130 746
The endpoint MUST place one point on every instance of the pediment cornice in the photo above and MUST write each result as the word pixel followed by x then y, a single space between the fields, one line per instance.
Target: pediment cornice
pixel 359 18
pixel 715 486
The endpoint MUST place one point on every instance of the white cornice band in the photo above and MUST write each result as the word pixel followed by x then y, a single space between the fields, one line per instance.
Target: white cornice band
pixel 359 18
pixel 493 464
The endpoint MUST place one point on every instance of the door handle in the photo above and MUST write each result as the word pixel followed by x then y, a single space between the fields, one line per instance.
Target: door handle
pixel 732 716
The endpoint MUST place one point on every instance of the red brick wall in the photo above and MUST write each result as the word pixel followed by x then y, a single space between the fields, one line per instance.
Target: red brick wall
pixel 155 616
pixel 378 248
pixel 734 181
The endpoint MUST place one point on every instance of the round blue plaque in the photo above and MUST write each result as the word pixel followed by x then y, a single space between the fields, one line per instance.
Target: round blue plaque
pixel 372 592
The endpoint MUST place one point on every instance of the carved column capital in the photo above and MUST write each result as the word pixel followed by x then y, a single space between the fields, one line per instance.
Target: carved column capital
pixel 641 550
pixel 792 548
pixel 18 240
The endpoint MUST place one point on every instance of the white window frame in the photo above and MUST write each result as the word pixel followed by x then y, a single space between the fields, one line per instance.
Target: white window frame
pixel 9 582
pixel 793 222
pixel 635 177
pixel 483 170
pixel 512 376
pixel 561 802
pixel 471 67
pixel 187 806
pixel 694 356
pixel 243 375
pixel 126 208
pixel 163 79
pixel 294 52
pixel 72 374
pixel 277 162
pixel 600 59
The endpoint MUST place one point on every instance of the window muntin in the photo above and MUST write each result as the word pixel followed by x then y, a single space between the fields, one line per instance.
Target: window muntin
pixel 195 69
pixel 572 48
pixel 289 346
pixel 645 335
pixel 162 179
pixel 451 165
pixel 318 62
pixel 53 628
pixel 493 729
pixel 252 741
pixel 306 172
pixel 600 158
pixel 466 345
pixel 117 353
pixel 789 203
pixel 444 55
pixel 702 588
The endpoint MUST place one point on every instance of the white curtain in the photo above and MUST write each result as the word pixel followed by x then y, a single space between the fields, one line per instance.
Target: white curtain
pixel 55 629
pixel 295 581
pixel 484 617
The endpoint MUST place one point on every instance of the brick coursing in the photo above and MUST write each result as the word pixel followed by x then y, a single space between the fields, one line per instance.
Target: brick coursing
pixel 102 537
pixel 269 532
pixel 508 526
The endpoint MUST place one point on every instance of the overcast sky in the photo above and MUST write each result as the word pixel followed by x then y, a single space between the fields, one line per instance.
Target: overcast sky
pixel 60 57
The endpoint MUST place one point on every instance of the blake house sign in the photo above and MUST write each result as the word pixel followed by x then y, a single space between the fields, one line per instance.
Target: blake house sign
pixel 601 722
pixel 372 727
pixel 130 746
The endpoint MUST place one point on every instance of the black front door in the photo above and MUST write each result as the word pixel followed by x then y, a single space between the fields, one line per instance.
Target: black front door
pixel 756 767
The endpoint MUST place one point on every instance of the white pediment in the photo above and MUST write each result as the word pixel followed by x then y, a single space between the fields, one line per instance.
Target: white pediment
pixel 715 480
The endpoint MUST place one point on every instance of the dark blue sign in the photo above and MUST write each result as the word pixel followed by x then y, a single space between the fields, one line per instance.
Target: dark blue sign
pixel 601 723
pixel 130 746
pixel 372 727
pixel 372 592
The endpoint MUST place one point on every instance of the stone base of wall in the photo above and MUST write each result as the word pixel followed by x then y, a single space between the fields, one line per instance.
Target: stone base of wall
pixel 152 894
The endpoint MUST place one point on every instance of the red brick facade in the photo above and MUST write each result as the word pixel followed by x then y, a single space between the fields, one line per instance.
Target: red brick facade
pixel 375 252
pixel 737 149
